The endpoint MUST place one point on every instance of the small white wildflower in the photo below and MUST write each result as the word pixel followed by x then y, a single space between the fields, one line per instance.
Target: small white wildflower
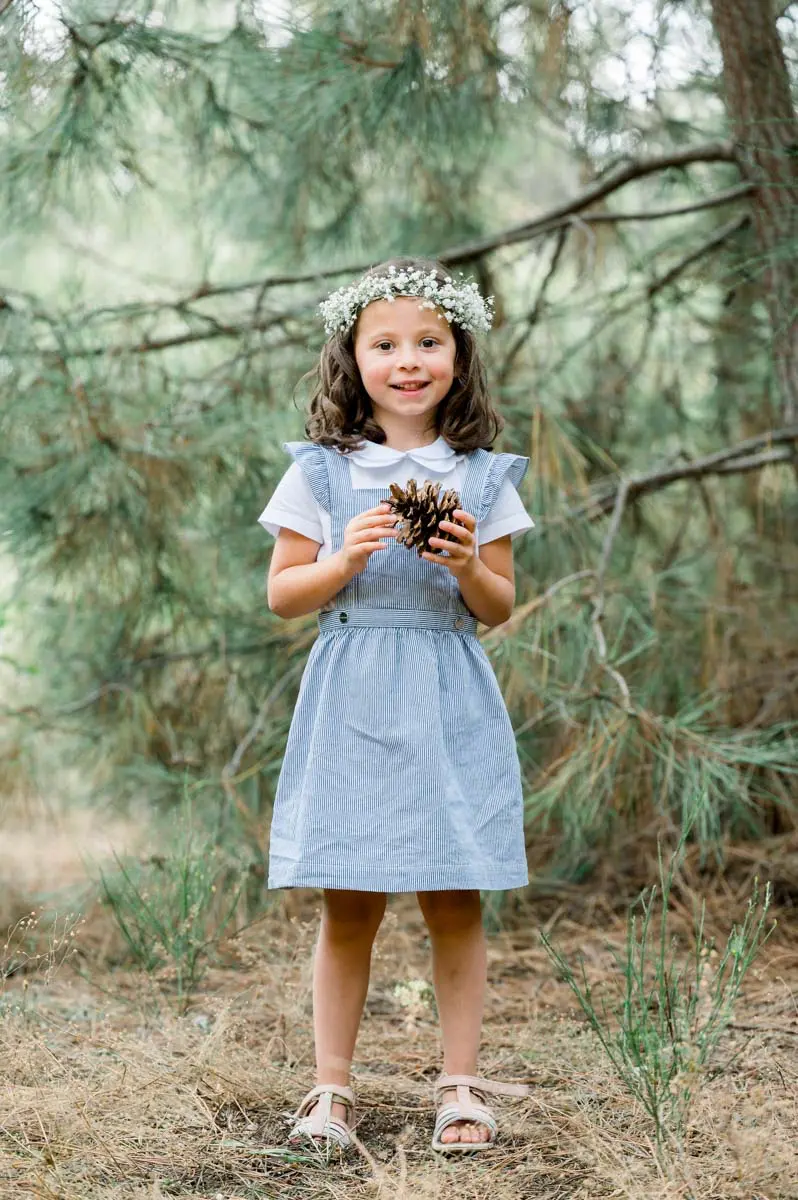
pixel 413 993
pixel 459 302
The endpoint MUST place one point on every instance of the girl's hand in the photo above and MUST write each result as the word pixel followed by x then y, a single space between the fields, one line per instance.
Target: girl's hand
pixel 461 558
pixel 362 534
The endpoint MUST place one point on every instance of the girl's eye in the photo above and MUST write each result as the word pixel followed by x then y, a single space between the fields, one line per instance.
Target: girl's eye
pixel 383 345
pixel 429 342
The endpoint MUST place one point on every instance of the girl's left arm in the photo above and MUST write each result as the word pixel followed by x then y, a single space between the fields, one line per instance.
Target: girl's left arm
pixel 487 580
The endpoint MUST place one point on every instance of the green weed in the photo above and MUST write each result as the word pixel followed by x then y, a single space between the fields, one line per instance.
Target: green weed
pixel 668 1010
pixel 172 909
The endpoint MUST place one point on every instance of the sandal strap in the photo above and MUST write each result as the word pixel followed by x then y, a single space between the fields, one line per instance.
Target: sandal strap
pixel 457 1111
pixel 315 1110
pixel 481 1087
pixel 316 1094
pixel 331 1131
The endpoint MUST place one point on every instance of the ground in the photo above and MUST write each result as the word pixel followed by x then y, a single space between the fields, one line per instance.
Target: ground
pixel 108 1091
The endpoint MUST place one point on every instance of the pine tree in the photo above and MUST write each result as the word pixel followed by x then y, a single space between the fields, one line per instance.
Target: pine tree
pixel 182 184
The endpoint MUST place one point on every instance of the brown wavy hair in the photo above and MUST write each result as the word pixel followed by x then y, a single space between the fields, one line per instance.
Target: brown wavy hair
pixel 341 413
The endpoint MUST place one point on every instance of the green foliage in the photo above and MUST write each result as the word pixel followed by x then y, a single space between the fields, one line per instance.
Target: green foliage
pixel 172 909
pixel 626 764
pixel 181 186
pixel 667 1009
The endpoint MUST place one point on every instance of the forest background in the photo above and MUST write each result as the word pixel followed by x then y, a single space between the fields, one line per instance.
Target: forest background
pixel 180 185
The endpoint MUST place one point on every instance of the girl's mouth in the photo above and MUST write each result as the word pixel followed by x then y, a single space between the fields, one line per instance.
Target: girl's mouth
pixel 410 389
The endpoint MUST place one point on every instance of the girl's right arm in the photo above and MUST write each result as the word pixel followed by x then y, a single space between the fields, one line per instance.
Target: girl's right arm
pixel 297 584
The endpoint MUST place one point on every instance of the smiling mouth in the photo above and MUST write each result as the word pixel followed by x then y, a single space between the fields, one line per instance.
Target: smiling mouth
pixel 410 387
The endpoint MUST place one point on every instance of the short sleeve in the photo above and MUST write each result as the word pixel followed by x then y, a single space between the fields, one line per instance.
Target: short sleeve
pixel 501 467
pixel 506 515
pixel 312 459
pixel 293 506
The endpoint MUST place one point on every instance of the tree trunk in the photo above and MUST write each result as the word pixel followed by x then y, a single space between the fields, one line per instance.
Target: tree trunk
pixel 760 108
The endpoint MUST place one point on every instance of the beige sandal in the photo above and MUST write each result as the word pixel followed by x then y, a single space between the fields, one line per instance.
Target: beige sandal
pixel 463 1109
pixel 313 1119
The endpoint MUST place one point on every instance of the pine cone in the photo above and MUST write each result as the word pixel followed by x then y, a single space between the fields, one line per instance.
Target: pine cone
pixel 421 510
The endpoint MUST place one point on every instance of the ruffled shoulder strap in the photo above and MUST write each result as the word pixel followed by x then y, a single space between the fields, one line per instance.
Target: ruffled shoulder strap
pixel 499 468
pixel 313 461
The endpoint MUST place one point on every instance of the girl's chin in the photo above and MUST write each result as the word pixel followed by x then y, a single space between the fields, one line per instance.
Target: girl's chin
pixel 411 397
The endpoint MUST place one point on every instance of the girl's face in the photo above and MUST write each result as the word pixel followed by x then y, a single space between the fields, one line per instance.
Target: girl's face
pixel 406 356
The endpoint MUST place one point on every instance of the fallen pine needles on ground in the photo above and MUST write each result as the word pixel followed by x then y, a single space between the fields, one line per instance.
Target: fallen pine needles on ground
pixel 109 1091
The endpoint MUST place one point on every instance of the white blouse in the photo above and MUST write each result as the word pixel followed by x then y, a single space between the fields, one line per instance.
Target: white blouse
pixel 293 505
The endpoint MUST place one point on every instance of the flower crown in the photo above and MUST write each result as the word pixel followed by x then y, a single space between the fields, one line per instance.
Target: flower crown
pixel 459 301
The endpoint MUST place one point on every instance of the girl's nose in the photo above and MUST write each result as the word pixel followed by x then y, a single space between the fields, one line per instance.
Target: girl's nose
pixel 408 357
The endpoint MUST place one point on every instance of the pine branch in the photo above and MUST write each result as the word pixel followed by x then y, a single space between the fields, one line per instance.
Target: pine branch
pixel 555 219
pixel 531 319
pixel 361 57
pixel 636 169
pixel 633 299
pixel 545 225
pixel 706 247
pixel 745 456
pixel 598 597
pixel 130 666
pixel 657 284
pixel 218 329
pixel 514 623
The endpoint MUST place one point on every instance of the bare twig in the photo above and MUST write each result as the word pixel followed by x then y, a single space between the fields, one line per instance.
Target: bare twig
pixel 257 324
pixel 545 224
pixel 753 462
pixel 635 169
pixel 615 523
pixel 597 615
pixel 615 313
pixel 361 57
pixel 532 316
pixel 728 461
pixel 764 1028
pixel 556 219
pixel 706 247
pixel 656 214
pixel 230 769
pixel 509 627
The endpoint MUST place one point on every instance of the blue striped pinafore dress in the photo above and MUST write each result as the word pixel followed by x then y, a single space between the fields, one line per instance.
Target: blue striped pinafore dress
pixel 400 772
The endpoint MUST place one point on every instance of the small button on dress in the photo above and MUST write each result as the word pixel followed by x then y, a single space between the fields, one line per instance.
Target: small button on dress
pixel 400 772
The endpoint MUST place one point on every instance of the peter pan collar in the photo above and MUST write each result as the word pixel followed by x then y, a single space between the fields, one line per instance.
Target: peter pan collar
pixel 439 455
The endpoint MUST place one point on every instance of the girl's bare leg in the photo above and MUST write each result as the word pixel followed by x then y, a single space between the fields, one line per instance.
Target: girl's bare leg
pixel 459 972
pixel 341 966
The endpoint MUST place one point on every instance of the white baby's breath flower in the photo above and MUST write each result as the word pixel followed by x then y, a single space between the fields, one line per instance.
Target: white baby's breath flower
pixel 460 302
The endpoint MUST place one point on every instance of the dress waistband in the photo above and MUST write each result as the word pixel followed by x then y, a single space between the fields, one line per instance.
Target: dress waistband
pixel 396 618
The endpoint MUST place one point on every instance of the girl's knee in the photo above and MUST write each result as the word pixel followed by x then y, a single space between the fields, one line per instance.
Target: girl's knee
pixel 450 912
pixel 352 916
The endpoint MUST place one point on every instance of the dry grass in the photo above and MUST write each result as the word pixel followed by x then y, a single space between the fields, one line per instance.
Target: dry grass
pixel 107 1093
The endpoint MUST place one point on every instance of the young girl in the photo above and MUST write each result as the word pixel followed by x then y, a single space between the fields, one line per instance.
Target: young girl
pixel 401 772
